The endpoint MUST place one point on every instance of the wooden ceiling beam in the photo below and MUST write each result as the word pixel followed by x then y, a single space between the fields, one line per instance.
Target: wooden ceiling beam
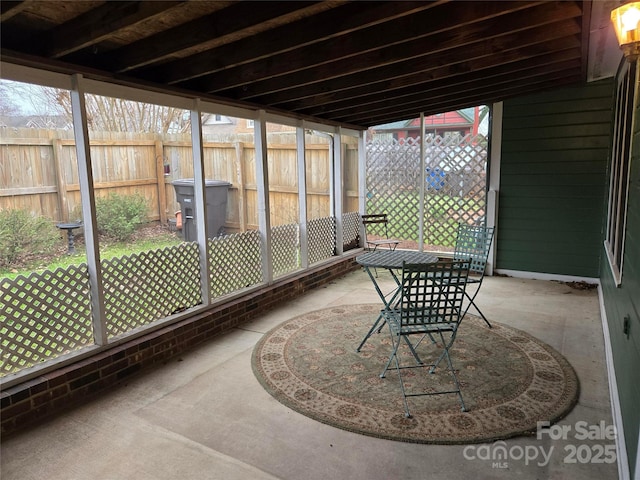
pixel 432 66
pixel 99 24
pixel 479 70
pixel 586 32
pixel 238 21
pixel 454 104
pixel 384 42
pixel 499 76
pixel 481 95
pixel 9 8
pixel 533 74
pixel 342 20
pixel 365 62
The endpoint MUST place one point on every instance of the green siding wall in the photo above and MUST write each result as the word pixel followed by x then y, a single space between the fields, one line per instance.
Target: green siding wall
pixel 553 198
pixel 553 180
pixel 625 300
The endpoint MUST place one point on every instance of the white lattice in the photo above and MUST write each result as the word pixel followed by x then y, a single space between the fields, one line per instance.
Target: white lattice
pixel 285 248
pixel 455 187
pixel 43 316
pixel 145 287
pixel 235 262
pixel 350 230
pixel 321 234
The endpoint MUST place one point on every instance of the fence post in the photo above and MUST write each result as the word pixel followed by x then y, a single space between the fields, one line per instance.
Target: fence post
pixel 242 204
pixel 61 185
pixel 162 191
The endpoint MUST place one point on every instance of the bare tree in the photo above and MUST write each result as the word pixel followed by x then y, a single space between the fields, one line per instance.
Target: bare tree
pixel 7 105
pixel 103 113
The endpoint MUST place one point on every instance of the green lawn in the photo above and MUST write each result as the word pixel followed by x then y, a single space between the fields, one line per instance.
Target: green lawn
pixel 441 214
pixel 48 311
pixel 107 251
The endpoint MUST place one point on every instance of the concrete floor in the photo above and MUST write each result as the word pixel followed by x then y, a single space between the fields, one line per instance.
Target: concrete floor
pixel 205 416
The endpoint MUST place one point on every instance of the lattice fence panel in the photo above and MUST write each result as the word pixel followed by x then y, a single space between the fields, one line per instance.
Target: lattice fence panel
pixel 44 316
pixel 350 230
pixel 455 187
pixel 285 248
pixel 393 186
pixel 236 262
pixel 321 233
pixel 151 285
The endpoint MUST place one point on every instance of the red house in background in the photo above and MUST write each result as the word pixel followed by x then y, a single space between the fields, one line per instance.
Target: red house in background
pixel 459 123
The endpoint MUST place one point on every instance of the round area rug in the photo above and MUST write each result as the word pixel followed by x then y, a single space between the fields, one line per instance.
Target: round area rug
pixel 509 379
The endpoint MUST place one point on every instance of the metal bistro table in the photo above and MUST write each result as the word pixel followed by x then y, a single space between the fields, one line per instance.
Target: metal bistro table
pixel 391 260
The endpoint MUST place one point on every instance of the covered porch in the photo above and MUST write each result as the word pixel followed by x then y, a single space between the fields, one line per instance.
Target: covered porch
pixel 181 400
pixel 204 414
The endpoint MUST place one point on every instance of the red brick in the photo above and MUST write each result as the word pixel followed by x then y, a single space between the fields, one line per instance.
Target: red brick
pixel 114 367
pixel 16 409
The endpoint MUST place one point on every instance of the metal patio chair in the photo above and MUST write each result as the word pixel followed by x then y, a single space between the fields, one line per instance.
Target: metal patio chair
pixel 378 219
pixel 430 304
pixel 474 242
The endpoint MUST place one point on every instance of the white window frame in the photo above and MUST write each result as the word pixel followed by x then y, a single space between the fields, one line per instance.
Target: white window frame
pixel 626 91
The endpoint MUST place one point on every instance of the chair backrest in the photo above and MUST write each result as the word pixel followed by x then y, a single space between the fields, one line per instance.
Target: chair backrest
pixel 375 219
pixel 474 242
pixel 432 293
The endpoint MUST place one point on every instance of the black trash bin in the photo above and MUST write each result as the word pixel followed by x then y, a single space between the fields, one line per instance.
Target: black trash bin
pixel 216 198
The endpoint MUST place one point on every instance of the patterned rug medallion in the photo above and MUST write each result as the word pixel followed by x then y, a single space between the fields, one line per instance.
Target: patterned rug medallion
pixel 510 380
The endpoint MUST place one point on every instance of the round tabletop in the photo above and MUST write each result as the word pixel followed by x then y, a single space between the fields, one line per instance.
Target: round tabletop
pixel 394 258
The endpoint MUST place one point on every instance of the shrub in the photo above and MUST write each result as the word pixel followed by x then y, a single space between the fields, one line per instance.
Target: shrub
pixel 118 216
pixel 23 234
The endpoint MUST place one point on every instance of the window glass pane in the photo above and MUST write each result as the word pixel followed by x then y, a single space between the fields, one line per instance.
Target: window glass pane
pixel 320 222
pixel 136 148
pixel 350 173
pixel 350 199
pixel 230 170
pixel 45 309
pixel 455 151
pixel 619 171
pixel 283 198
pixel 318 174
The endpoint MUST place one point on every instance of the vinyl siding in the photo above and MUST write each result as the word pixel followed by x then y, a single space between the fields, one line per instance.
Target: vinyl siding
pixel 625 300
pixel 553 180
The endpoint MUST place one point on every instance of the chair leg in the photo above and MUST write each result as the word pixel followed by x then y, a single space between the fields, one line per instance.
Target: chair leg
pixel 407 413
pixel 394 353
pixel 455 377
pixel 376 326
pixel 412 348
pixel 394 356
pixel 471 302
pixel 433 340
pixel 445 354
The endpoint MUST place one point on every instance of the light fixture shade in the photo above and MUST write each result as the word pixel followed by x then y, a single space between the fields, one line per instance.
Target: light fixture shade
pixel 626 22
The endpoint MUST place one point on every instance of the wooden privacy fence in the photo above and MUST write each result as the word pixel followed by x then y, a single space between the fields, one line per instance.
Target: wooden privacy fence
pixel 38 172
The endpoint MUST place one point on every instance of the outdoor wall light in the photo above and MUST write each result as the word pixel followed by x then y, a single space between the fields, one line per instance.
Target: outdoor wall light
pixel 626 21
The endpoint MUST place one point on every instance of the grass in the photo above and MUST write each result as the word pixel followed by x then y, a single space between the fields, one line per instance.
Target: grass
pixel 440 213
pixel 147 238
pixel 41 333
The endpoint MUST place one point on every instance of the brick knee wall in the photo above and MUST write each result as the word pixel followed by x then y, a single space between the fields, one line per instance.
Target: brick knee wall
pixel 41 397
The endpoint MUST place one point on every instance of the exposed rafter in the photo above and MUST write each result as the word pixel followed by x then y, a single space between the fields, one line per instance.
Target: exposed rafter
pixel 353 62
